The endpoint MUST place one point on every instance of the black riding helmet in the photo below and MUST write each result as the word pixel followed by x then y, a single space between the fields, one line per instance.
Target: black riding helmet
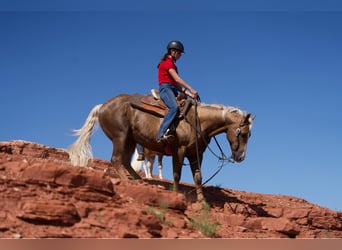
pixel 175 45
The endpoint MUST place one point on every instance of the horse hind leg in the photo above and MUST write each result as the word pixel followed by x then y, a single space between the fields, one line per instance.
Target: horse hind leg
pixel 150 157
pixel 127 155
pixel 121 162
pixel 149 167
pixel 160 166
pixel 116 170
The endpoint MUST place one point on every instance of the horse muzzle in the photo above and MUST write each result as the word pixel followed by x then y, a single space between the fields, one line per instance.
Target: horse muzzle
pixel 238 156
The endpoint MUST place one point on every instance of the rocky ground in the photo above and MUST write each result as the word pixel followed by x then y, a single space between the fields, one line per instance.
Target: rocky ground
pixel 43 196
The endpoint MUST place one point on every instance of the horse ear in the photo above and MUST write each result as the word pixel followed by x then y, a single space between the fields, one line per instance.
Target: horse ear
pixel 249 117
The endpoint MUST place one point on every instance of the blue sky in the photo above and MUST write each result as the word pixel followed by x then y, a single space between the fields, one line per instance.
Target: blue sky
pixel 283 65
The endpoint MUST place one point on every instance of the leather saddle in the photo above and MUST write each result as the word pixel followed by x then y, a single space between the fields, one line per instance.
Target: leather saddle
pixel 153 104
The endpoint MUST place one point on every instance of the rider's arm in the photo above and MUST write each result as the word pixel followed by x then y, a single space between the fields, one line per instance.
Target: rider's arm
pixel 182 83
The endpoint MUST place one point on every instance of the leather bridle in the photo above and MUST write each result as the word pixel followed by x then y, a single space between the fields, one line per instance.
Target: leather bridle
pixel 236 144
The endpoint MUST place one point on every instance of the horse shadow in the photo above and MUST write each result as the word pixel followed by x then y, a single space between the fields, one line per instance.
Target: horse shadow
pixel 215 197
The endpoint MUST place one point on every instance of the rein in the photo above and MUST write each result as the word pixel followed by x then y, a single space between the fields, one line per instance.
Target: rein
pixel 221 158
pixel 195 126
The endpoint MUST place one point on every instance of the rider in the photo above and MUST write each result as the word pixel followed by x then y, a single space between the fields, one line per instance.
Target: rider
pixel 141 154
pixel 169 85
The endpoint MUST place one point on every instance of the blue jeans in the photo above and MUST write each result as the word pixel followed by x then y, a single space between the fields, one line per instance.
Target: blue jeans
pixel 140 149
pixel 168 94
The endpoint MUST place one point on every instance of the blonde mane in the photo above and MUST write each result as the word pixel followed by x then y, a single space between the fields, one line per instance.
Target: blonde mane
pixel 225 109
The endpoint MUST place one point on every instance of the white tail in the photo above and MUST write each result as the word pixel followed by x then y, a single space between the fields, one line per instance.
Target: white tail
pixel 80 152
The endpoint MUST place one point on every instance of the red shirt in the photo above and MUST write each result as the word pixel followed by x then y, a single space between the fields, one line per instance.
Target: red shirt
pixel 163 71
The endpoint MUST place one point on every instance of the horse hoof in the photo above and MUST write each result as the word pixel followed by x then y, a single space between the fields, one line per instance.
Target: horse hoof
pixel 201 199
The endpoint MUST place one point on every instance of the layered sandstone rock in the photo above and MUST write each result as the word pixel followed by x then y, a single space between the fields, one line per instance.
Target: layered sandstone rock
pixel 42 195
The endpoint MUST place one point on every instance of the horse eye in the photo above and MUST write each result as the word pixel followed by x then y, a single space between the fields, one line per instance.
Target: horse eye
pixel 238 131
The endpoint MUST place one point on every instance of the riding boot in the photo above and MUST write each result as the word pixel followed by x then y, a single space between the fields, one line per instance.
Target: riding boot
pixel 141 157
pixel 167 137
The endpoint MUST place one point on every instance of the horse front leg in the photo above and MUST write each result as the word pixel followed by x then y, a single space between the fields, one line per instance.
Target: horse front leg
pixel 195 165
pixel 177 162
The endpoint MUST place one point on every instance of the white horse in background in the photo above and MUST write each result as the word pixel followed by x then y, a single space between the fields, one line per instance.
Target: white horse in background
pixel 147 164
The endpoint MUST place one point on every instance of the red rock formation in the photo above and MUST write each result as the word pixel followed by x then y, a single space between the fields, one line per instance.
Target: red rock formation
pixel 42 195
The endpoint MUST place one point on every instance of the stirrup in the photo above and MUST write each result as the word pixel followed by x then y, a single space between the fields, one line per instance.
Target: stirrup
pixel 167 137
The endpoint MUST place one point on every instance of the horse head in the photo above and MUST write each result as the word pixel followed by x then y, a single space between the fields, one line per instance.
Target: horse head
pixel 238 134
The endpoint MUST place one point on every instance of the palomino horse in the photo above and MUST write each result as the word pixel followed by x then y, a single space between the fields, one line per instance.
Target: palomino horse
pixel 126 126
pixel 147 164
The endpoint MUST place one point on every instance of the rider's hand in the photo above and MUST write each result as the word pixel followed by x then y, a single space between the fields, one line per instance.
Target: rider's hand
pixel 194 94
